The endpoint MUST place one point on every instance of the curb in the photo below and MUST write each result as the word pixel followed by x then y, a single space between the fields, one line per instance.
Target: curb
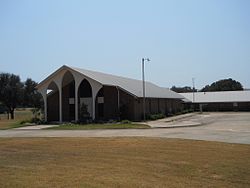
pixel 181 126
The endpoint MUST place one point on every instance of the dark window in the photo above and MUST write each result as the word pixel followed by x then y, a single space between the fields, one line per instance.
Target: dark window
pixel 101 110
pixel 72 111
pixel 85 89
pixel 72 90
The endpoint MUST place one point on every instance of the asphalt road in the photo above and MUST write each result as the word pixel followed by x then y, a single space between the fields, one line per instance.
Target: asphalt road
pixel 229 127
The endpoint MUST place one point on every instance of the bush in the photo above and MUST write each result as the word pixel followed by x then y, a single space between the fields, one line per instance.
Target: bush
pixel 84 114
pixel 34 120
pixel 24 121
pixel 155 116
pixel 125 121
pixel 185 111
pixel 3 109
pixel 178 113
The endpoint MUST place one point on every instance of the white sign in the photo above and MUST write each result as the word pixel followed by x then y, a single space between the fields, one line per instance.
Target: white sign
pixel 100 100
pixel 235 104
pixel 71 100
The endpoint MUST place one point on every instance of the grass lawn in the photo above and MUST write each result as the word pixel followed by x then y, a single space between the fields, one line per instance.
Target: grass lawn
pixel 122 162
pixel 100 126
pixel 20 115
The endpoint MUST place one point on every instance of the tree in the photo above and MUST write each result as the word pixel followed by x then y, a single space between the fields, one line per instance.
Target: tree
pixel 185 89
pixel 84 114
pixel 223 85
pixel 31 97
pixel 11 91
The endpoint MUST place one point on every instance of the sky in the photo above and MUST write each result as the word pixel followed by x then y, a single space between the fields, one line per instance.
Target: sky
pixel 207 40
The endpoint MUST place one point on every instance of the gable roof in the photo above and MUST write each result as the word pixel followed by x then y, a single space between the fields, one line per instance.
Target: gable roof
pixel 132 86
pixel 219 96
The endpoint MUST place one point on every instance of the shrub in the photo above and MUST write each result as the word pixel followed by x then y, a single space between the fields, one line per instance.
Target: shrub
pixel 111 121
pixel 84 114
pixel 178 113
pixel 155 116
pixel 24 121
pixel 36 120
pixel 125 121
pixel 33 120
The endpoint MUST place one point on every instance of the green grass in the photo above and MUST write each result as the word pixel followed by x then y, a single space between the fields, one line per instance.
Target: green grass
pixel 100 126
pixel 122 162
pixel 20 115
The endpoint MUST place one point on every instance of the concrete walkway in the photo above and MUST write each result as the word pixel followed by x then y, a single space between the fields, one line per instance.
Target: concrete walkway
pixel 223 127
pixel 184 120
pixel 169 122
pixel 35 127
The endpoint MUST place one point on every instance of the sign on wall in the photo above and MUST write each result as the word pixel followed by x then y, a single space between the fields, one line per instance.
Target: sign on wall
pixel 71 100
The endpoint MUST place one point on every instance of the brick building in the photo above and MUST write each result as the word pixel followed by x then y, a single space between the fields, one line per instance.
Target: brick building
pixel 105 96
pixel 219 101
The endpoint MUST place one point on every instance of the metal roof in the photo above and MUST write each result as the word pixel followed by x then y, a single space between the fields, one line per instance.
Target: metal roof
pixel 218 97
pixel 131 86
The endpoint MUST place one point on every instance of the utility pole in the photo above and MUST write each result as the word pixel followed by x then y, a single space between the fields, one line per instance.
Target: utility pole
pixel 143 87
pixel 193 89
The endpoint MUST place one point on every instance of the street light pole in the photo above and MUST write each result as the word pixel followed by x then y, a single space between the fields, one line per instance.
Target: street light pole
pixel 143 87
pixel 193 90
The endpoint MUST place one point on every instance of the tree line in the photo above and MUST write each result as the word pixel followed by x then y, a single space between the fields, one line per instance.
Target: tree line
pixel 15 93
pixel 221 85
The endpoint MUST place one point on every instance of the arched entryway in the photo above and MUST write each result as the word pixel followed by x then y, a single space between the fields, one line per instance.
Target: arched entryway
pixel 99 102
pixel 85 101
pixel 52 102
pixel 68 97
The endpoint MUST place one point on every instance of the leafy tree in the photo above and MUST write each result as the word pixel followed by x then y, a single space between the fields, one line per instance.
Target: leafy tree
pixel 11 92
pixel 31 97
pixel 185 89
pixel 2 108
pixel 223 85
pixel 14 93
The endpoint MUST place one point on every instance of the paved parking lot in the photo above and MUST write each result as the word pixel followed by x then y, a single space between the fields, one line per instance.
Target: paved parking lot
pixel 231 127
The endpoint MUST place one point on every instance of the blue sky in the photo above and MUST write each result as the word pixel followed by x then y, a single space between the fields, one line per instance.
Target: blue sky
pixel 205 39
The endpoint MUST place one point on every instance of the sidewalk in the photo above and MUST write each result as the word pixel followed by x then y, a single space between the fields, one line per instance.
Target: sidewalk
pixel 184 120
pixel 35 127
